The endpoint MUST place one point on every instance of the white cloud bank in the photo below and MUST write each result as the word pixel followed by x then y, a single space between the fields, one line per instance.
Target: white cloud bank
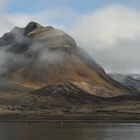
pixel 107 25
pixel 110 34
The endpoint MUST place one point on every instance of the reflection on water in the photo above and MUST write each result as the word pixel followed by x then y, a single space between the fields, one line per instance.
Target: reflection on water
pixel 22 131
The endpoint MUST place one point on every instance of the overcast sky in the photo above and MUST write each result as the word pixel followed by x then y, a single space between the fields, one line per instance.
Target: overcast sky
pixel 108 29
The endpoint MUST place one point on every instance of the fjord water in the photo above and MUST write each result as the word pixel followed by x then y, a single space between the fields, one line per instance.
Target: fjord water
pixel 74 131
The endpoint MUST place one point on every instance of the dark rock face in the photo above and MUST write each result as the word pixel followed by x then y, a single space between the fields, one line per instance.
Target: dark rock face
pixel 69 91
pixel 31 27
pixel 15 41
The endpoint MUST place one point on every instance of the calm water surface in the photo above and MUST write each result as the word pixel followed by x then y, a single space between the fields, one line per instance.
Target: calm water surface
pixel 22 131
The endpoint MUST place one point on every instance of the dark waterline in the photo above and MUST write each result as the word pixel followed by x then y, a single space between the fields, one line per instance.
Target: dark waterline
pixel 70 131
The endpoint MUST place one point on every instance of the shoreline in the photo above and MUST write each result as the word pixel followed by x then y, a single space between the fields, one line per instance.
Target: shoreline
pixel 30 117
pixel 69 121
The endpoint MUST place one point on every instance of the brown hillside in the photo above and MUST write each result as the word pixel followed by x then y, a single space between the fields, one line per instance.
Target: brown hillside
pixel 46 56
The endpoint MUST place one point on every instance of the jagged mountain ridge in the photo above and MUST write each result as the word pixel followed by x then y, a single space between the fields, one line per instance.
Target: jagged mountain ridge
pixel 45 56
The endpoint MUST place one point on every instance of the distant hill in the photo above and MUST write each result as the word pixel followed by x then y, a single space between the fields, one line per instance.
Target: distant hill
pixel 131 81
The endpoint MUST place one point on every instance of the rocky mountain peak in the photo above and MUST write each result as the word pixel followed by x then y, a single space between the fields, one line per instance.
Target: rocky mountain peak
pixel 31 27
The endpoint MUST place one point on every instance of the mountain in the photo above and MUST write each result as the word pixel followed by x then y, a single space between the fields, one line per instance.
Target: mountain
pixel 45 74
pixel 41 56
pixel 131 81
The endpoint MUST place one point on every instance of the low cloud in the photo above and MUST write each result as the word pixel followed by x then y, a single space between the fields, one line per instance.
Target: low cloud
pixel 9 61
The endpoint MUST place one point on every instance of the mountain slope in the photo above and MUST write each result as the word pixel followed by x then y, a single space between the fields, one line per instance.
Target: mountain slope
pixel 131 81
pixel 40 56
